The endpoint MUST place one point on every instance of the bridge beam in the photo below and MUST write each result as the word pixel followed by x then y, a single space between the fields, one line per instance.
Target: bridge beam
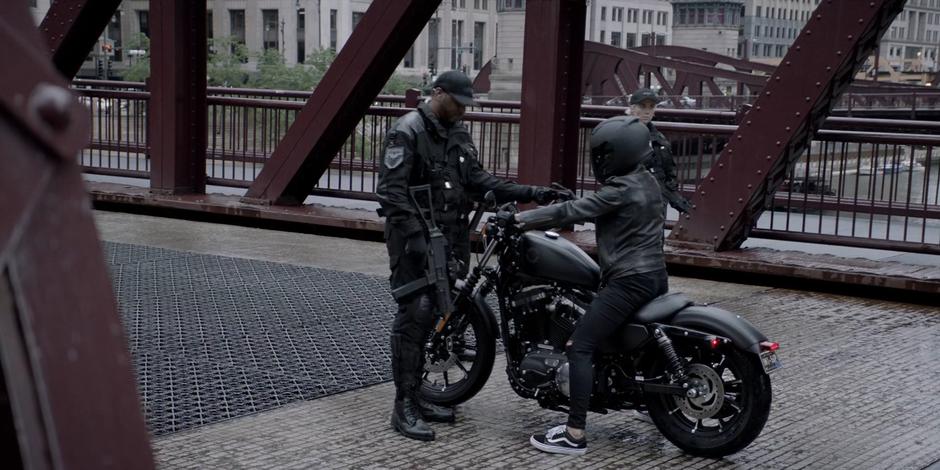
pixel 177 120
pixel 67 393
pixel 355 78
pixel 551 91
pixel 71 28
pixel 819 66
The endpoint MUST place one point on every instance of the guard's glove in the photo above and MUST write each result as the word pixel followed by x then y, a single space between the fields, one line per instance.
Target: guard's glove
pixel 416 245
pixel 680 204
pixel 564 194
pixel 542 195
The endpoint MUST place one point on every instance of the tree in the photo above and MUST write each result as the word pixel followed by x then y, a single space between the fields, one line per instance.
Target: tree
pixel 225 61
pixel 139 70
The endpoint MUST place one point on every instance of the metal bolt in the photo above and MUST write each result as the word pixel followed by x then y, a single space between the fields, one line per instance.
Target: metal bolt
pixel 721 228
pixel 740 200
pixel 818 84
pixel 850 36
pixel 788 127
pixel 51 104
pixel 749 186
pixel 731 213
pixel 768 157
pixel 712 179
pixel 703 193
pixel 758 172
pixel 798 113
pixel 778 143
pixel 721 165
pixel 767 92
pixel 807 99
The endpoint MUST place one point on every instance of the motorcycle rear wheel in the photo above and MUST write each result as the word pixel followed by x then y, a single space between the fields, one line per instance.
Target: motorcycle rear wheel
pixel 460 370
pixel 728 416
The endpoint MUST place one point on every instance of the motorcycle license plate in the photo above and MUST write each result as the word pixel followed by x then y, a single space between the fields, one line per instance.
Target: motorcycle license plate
pixel 770 361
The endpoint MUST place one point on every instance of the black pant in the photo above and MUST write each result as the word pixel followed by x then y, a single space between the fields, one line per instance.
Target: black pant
pixel 615 304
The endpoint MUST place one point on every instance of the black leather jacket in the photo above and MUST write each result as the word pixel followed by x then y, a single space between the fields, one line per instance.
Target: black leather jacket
pixel 663 167
pixel 419 149
pixel 627 212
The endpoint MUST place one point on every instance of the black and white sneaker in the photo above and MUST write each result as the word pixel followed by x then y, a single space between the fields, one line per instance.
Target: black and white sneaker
pixel 557 441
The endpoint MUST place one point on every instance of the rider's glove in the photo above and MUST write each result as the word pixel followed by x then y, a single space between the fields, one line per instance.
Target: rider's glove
pixel 505 219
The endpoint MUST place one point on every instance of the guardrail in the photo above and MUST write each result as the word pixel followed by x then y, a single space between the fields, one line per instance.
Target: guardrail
pixel 861 182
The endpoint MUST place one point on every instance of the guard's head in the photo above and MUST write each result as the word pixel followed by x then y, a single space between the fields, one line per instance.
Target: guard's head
pixel 618 146
pixel 643 104
pixel 451 93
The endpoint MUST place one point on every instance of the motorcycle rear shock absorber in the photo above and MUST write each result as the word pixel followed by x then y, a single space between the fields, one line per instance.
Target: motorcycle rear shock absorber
pixel 674 363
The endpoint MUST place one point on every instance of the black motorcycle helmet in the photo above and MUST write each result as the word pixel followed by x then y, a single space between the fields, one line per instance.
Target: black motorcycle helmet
pixel 618 145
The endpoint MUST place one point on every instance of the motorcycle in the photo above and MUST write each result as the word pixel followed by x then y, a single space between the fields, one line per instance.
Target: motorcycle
pixel 701 372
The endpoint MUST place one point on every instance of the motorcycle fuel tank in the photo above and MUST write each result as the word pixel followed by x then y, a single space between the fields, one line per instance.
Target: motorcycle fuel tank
pixel 549 256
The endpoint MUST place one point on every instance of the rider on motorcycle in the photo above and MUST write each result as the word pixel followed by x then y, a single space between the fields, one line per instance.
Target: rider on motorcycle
pixel 627 211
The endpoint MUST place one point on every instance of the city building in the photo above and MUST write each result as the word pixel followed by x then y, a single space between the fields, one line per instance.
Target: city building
pixel 461 34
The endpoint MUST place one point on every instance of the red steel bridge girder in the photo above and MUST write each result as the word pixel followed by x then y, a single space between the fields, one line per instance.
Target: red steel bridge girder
pixel 551 91
pixel 363 65
pixel 71 28
pixel 797 99
pixel 67 392
pixel 177 121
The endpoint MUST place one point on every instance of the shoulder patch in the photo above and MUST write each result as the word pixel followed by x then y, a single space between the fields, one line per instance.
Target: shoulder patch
pixel 394 155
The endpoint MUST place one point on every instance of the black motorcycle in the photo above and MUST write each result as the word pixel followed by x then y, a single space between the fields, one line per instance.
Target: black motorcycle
pixel 701 372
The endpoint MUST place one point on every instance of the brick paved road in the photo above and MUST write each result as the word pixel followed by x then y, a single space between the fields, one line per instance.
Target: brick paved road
pixel 859 390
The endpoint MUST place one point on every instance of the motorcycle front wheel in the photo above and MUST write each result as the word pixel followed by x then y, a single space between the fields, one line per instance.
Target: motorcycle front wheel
pixel 730 409
pixel 461 360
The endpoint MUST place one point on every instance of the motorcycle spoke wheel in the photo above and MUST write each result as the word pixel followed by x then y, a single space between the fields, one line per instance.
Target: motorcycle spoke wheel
pixel 730 409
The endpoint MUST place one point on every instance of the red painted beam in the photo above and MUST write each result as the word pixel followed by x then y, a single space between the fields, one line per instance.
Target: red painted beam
pixel 551 91
pixel 797 99
pixel 71 29
pixel 67 394
pixel 177 118
pixel 362 67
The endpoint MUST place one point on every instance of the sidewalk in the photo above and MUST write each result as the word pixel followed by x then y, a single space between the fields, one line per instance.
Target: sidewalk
pixel 856 390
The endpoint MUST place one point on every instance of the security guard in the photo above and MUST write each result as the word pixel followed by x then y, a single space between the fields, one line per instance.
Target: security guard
pixel 431 146
pixel 660 163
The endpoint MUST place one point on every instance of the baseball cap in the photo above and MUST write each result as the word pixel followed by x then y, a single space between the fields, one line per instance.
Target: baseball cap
pixel 457 85
pixel 643 94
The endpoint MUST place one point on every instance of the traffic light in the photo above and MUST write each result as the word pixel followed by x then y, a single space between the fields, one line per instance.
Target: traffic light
pixel 99 67
pixel 109 68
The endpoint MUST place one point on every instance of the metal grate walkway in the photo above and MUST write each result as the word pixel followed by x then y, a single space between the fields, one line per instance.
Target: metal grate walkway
pixel 214 337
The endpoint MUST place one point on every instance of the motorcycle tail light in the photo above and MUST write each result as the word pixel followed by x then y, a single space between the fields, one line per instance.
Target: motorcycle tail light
pixel 769 346
pixel 714 343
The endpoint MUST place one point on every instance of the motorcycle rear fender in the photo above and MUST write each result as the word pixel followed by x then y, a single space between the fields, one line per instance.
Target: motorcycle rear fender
pixel 741 332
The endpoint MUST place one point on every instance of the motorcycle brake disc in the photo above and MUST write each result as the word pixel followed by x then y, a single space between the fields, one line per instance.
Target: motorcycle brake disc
pixel 711 393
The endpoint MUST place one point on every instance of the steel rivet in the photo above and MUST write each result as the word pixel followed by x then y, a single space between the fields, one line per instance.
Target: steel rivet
pixel 715 237
pixel 749 186
pixel 818 84
pixel 703 193
pixel 788 63
pixel 759 172
pixel 731 213
pixel 740 200
pixel 721 165
pixel 807 98
pixel 767 92
pixel 798 113
pixel 778 143
pixel 712 179
pixel 788 127
pixel 769 157
pixel 687 216
pixel 850 36
pixel 749 123
pixel 758 108
pixel 721 228
pixel 837 53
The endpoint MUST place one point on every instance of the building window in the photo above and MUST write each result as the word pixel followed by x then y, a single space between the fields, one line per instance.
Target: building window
pixel 616 14
pixel 660 39
pixel 356 18
pixel 333 30
pixel 301 33
pixel 631 40
pixel 409 61
pixel 603 13
pixel 647 16
pixel 456 38
pixel 236 19
pixel 632 15
pixel 434 38
pixel 615 38
pixel 479 38
pixel 758 12
pixel 603 37
pixel 756 50
pixel 143 21
pixel 269 29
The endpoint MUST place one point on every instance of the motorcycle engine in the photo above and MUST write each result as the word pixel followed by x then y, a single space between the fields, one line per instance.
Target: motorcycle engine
pixel 548 315
pixel 545 368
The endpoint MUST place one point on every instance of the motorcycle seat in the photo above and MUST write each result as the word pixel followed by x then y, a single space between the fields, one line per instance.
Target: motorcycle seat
pixel 662 308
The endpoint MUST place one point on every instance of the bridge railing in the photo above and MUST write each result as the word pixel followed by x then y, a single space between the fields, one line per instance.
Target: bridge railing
pixel 872 188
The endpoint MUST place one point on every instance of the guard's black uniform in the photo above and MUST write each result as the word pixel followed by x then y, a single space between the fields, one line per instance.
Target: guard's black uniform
pixel 663 167
pixel 420 149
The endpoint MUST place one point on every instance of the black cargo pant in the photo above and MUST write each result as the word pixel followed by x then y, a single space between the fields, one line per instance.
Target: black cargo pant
pixel 614 305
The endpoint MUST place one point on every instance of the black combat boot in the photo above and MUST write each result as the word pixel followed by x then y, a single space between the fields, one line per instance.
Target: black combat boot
pixel 406 417
pixel 435 413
